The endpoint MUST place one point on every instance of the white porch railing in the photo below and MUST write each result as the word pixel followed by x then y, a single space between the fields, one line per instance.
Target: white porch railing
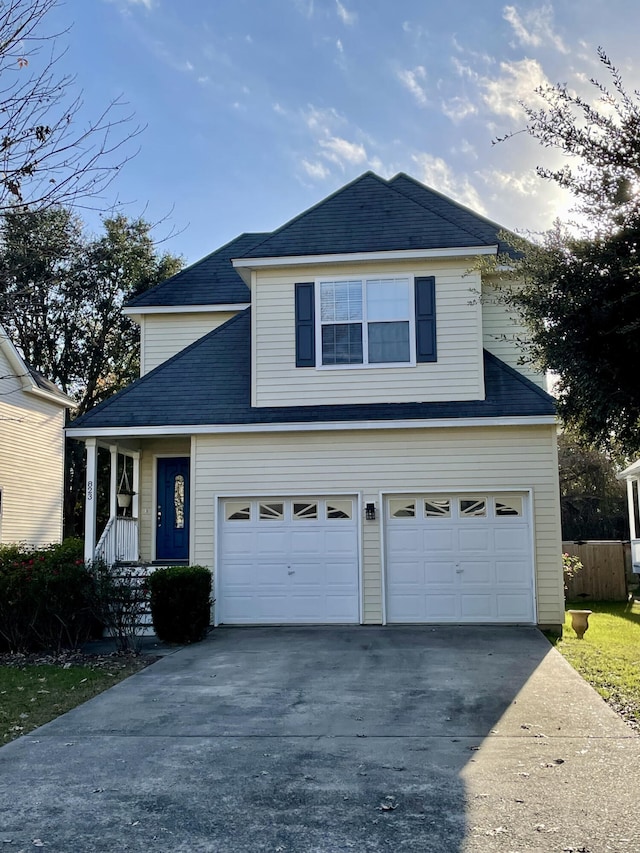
pixel 119 541
pixel 635 554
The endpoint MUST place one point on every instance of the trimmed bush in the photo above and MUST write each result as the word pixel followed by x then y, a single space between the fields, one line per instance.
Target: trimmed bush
pixel 45 597
pixel 180 603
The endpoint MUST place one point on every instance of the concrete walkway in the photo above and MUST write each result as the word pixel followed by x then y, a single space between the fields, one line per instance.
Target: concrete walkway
pixel 294 740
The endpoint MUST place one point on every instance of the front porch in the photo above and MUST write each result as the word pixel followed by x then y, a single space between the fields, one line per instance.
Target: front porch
pixel 119 542
pixel 138 496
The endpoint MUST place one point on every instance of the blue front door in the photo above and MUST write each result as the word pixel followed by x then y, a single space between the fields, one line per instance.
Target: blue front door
pixel 172 531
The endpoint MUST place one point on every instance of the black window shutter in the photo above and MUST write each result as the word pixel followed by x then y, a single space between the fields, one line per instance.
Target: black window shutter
pixel 426 319
pixel 305 325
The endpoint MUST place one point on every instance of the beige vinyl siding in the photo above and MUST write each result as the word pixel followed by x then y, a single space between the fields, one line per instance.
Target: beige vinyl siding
pixel 164 335
pixel 147 506
pixel 31 464
pixel 381 461
pixel 457 374
pixel 503 332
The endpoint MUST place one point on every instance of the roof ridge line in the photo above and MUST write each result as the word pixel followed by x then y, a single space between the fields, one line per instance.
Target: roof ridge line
pixel 368 174
pixel 447 199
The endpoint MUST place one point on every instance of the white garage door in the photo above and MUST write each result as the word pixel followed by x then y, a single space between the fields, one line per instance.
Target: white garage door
pixel 288 560
pixel 459 558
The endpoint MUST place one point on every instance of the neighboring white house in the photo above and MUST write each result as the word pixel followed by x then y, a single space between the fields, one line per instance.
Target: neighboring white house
pixel 632 477
pixel 32 415
pixel 333 420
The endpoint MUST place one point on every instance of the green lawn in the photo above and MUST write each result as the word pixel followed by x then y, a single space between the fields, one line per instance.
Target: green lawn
pixel 31 695
pixel 609 655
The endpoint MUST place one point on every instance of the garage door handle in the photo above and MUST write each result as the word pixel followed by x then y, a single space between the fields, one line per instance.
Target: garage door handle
pixel 291 573
pixel 459 571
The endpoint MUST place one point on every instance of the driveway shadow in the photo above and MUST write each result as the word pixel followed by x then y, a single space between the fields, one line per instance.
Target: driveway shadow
pixel 440 739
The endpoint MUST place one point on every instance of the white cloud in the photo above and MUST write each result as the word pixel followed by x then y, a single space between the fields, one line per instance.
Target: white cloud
pixel 436 173
pixel 339 46
pixel 322 121
pixel 348 18
pixel 318 171
pixel 535 27
pixel 341 151
pixel 279 109
pixel 518 82
pixel 411 81
pixel 458 109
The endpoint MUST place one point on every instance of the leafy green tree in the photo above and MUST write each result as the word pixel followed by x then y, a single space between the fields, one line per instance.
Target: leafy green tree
pixel 593 501
pixel 579 291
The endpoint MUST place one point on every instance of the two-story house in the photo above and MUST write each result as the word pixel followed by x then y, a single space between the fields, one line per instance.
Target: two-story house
pixel 333 417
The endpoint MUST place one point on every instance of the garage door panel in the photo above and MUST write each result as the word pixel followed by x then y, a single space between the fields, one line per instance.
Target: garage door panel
pixel 440 607
pixel 403 539
pixel 475 540
pixel 512 539
pixel 459 558
pixel 477 607
pixel 438 572
pixel 512 571
pixel 510 603
pixel 438 538
pixel 478 572
pixel 288 561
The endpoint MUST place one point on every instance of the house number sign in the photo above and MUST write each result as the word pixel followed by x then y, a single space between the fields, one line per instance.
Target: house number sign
pixel 90 490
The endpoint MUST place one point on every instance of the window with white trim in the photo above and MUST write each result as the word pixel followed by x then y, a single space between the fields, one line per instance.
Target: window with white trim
pixel 366 321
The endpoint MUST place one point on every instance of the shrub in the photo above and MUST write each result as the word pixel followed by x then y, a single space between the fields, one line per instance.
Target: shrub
pixel 45 597
pixel 180 603
pixel 571 565
pixel 121 600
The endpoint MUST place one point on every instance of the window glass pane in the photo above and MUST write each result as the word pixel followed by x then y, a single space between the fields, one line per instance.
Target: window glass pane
pixel 388 342
pixel 388 299
pixel 178 501
pixel 271 512
pixel 237 511
pixel 402 508
pixel 339 509
pixel 340 301
pixel 437 508
pixel 342 344
pixel 509 506
pixel 473 507
pixel 305 510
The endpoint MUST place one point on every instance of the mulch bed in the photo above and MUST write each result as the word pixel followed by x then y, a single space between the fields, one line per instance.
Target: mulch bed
pixel 112 661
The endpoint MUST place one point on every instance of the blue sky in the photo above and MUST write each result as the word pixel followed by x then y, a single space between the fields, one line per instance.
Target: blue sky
pixel 257 109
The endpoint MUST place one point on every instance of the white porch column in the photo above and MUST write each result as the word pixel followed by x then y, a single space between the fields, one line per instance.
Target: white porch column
pixel 631 507
pixel 113 481
pixel 135 503
pixel 90 499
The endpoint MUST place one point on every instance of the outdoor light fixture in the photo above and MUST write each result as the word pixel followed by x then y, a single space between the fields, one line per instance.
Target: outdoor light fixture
pixel 370 512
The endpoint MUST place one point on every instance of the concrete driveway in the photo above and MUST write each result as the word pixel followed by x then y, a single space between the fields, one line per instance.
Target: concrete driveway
pixel 330 739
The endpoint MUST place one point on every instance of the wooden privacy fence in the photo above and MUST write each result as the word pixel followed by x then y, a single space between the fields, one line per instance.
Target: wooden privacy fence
pixel 603 576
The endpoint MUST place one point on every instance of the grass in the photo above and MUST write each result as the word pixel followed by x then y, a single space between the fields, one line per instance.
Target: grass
pixel 609 655
pixel 31 695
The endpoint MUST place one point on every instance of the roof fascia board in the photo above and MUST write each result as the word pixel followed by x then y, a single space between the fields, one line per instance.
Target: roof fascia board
pixel 185 309
pixel 61 399
pixel 315 426
pixel 360 257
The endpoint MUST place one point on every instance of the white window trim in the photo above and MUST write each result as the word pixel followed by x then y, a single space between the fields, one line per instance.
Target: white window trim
pixel 365 365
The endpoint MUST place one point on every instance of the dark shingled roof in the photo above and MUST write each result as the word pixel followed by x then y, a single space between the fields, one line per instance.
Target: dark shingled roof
pixel 211 281
pixel 449 209
pixel 373 215
pixel 209 382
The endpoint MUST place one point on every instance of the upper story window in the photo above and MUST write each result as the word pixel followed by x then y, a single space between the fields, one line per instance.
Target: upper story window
pixel 366 321
pixel 355 321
